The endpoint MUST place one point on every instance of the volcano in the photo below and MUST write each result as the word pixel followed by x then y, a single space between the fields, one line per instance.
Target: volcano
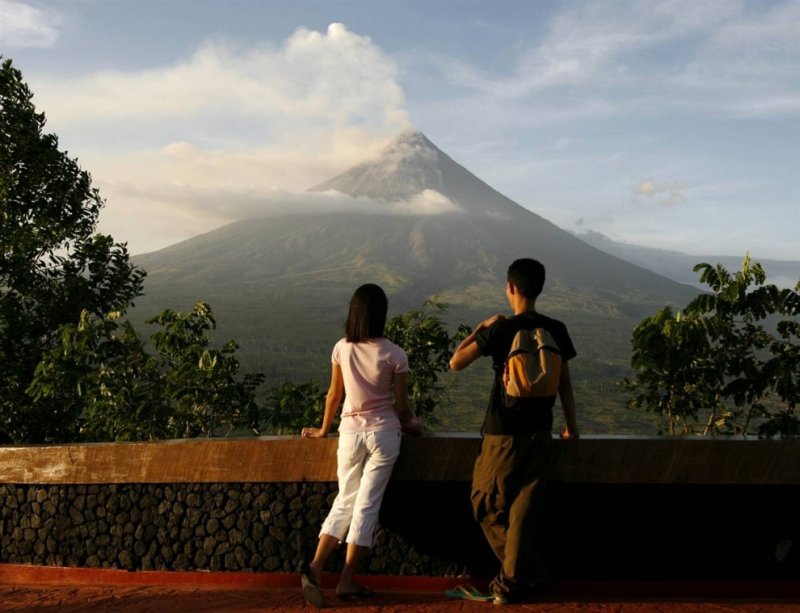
pixel 426 228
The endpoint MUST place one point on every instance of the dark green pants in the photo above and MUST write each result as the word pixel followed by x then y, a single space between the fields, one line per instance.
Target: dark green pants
pixel 507 496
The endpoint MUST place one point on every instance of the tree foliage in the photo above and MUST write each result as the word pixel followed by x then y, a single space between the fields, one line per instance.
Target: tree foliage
pixel 52 265
pixel 730 360
pixel 423 334
pixel 102 379
pixel 111 388
pixel 289 407
pixel 202 382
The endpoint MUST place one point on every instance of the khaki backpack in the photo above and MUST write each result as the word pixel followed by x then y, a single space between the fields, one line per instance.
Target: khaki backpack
pixel 533 366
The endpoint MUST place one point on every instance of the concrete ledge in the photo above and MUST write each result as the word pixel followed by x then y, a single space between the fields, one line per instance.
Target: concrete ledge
pixel 441 457
pixel 690 460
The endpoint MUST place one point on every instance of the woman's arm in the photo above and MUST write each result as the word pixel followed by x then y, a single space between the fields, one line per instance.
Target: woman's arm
pixel 410 424
pixel 401 404
pixel 332 402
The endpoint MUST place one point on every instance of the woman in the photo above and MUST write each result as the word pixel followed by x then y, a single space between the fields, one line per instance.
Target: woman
pixel 369 373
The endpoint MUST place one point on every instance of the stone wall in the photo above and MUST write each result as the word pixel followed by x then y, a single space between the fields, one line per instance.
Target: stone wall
pixel 622 507
pixel 184 526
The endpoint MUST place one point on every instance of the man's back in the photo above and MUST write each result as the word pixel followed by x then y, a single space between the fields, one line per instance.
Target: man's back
pixel 508 415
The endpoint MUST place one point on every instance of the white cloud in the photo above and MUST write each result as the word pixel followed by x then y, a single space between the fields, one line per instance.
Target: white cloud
pixel 427 202
pixel 185 210
pixel 226 123
pixel 227 202
pixel 757 44
pixel 336 78
pixel 158 197
pixel 662 193
pixel 23 25
pixel 599 60
pixel 752 63
pixel 593 43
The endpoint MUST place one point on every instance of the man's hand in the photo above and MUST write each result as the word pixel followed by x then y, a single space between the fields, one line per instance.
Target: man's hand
pixel 569 434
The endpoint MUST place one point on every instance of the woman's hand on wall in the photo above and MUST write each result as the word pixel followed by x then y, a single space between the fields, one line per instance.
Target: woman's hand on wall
pixel 313 433
pixel 410 426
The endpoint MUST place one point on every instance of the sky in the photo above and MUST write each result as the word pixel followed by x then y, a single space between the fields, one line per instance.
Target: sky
pixel 672 124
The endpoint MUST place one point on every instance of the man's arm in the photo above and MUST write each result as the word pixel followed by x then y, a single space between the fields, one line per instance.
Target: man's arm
pixel 466 354
pixel 468 351
pixel 567 397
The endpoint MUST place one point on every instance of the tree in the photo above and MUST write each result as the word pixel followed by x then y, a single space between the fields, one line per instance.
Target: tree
pixel 674 372
pixel 423 335
pixel 728 358
pixel 52 266
pixel 103 382
pixel 289 407
pixel 202 382
pixel 111 388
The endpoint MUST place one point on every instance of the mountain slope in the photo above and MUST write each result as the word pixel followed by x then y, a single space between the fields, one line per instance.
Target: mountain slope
pixel 678 266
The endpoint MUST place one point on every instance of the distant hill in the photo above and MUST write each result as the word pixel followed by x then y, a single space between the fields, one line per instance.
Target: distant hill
pixel 678 266
pixel 426 228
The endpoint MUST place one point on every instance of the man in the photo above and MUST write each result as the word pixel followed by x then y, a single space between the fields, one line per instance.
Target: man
pixel 507 485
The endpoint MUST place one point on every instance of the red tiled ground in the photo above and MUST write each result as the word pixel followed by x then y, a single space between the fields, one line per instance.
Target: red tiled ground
pixel 157 599
pixel 24 589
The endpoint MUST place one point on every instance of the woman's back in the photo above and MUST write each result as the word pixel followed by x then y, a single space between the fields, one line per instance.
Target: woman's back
pixel 368 369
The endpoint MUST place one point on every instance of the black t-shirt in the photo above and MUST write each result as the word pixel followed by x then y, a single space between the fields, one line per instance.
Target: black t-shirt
pixel 524 414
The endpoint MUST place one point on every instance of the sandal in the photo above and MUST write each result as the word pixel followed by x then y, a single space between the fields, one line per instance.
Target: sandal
pixel 468 592
pixel 363 592
pixel 312 592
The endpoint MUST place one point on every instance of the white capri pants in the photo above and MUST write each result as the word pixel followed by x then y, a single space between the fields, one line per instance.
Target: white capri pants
pixel 364 464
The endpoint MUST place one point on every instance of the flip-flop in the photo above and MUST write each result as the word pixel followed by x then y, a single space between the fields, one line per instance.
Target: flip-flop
pixel 312 592
pixel 363 592
pixel 468 592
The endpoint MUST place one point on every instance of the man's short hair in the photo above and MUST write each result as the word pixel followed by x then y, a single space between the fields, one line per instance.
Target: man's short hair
pixel 527 275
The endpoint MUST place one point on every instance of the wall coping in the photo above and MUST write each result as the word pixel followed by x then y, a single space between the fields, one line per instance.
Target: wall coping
pixel 435 457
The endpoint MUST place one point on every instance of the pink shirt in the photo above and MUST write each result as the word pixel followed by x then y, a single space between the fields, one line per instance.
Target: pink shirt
pixel 368 370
